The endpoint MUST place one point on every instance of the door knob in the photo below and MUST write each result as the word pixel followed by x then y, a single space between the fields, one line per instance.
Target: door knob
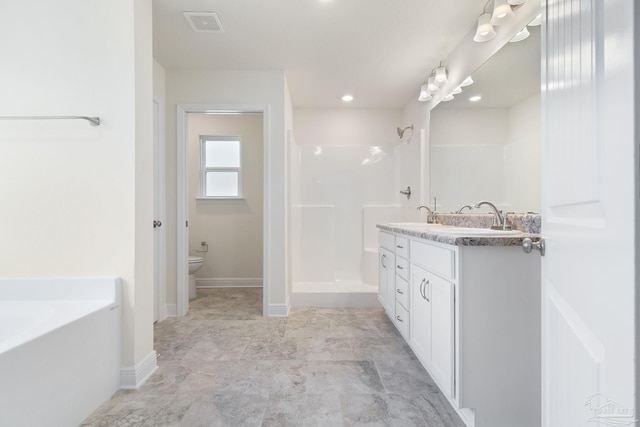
pixel 528 245
pixel 157 223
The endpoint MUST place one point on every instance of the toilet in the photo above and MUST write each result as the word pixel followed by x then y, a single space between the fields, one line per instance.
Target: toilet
pixel 195 262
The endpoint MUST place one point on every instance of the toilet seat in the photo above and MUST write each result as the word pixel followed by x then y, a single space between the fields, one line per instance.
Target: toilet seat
pixel 193 259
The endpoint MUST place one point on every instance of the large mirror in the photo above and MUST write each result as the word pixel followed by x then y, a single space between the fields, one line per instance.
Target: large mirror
pixel 490 149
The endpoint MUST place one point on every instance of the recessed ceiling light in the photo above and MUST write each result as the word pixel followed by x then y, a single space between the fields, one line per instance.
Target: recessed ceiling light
pixel 347 98
pixel 475 98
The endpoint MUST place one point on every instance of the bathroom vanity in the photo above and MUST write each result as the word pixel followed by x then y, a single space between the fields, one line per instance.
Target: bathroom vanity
pixel 468 304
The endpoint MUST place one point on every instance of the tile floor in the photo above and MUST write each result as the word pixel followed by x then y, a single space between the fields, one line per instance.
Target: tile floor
pixel 226 365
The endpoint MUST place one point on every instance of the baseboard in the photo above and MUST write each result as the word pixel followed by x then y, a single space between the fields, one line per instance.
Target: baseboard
pixel 132 377
pixel 229 283
pixel 334 299
pixel 278 310
pixel 172 310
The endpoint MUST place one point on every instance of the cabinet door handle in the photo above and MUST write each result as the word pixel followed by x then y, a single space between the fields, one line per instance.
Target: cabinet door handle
pixel 400 267
pixel 421 289
pixel 426 291
pixel 382 260
pixel 399 291
pixel 399 319
pixel 399 246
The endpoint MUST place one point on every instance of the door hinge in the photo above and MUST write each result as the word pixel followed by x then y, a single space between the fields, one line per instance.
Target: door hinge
pixel 186 223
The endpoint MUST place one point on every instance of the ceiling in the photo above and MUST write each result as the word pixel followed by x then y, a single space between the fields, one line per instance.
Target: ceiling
pixel 378 50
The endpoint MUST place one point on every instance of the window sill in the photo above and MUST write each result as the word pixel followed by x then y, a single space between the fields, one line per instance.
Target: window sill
pixel 220 199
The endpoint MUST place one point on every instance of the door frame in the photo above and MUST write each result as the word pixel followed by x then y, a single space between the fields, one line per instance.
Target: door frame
pixel 182 232
pixel 159 241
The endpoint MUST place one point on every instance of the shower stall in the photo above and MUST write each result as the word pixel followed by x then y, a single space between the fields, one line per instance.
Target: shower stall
pixel 338 194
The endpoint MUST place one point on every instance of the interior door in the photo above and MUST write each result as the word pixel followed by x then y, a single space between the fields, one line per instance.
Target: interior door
pixel 588 213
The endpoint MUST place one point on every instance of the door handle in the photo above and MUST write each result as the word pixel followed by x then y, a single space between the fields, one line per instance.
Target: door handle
pixel 157 223
pixel 528 245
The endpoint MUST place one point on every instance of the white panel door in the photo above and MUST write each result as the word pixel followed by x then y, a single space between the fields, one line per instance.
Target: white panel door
pixel 588 213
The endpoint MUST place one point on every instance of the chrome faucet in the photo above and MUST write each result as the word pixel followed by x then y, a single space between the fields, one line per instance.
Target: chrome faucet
pixel 499 222
pixel 431 215
pixel 459 211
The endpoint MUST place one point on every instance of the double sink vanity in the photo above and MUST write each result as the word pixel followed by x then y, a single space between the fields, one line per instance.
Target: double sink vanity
pixel 467 301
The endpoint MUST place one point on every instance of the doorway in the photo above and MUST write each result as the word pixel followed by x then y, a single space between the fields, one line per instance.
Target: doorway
pixel 228 231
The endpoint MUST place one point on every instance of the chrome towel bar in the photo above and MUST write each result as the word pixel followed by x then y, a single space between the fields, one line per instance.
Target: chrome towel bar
pixel 93 121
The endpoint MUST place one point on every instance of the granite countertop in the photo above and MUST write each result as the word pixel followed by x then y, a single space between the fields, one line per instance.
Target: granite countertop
pixel 440 235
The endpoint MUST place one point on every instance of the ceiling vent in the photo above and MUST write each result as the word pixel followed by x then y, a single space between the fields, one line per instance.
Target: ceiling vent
pixel 204 22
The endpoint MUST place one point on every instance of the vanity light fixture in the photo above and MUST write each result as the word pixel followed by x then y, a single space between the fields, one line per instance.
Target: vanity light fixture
pixel 475 98
pixel 501 12
pixel 485 30
pixel 457 90
pixel 424 94
pixel 448 98
pixel 466 82
pixel 522 34
pixel 441 75
pixel 347 98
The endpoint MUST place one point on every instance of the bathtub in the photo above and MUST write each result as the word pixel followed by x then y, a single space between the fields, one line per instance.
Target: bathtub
pixel 59 349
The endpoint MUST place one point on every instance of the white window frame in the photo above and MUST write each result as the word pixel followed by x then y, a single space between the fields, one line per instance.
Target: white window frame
pixel 204 169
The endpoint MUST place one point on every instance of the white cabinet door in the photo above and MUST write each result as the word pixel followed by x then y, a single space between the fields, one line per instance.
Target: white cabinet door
pixel 387 280
pixel 432 327
pixel 589 213
pixel 441 295
pixel 420 315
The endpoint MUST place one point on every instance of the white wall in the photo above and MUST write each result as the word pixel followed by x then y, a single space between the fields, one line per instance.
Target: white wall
pixel 346 126
pixel 231 228
pixel 522 182
pixel 234 87
pixel 77 199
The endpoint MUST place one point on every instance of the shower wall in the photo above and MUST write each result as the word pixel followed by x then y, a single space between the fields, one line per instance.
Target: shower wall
pixel 338 195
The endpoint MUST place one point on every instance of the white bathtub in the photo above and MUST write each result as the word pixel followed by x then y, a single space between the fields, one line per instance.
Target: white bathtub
pixel 59 349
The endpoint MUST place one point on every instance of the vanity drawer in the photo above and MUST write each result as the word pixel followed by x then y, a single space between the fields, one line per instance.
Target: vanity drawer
pixel 402 247
pixel 402 320
pixel 387 241
pixel 435 258
pixel 402 292
pixel 402 268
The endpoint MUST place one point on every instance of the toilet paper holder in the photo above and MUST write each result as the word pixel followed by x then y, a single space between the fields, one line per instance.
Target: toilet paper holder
pixel 205 247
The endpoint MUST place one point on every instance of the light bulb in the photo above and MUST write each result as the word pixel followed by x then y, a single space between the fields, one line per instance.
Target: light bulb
pixel 466 82
pixel 501 12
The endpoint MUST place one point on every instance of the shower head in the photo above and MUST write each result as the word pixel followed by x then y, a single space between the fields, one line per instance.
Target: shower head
pixel 402 131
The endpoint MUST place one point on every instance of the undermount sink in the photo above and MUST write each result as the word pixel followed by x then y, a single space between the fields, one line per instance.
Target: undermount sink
pixel 469 231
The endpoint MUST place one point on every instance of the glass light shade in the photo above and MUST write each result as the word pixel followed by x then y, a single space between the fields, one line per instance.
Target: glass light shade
pixel 501 12
pixel 457 90
pixel 441 75
pixel 523 34
pixel 448 98
pixel 485 30
pixel 536 21
pixel 516 2
pixel 432 87
pixel 466 82
pixel 424 94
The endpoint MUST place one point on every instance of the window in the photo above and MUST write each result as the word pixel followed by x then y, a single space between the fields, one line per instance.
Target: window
pixel 220 167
